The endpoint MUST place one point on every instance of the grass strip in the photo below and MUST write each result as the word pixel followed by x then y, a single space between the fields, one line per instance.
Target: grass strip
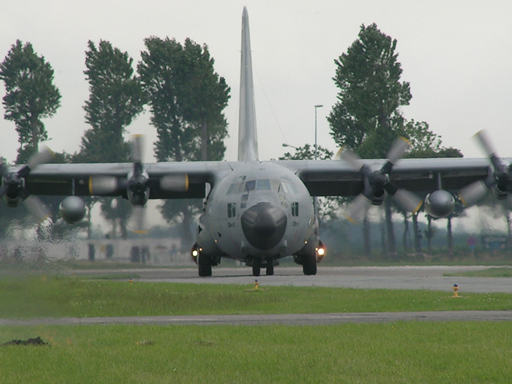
pixel 39 296
pixel 413 352
pixel 490 272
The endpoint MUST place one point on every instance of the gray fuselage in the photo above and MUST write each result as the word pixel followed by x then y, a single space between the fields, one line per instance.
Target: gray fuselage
pixel 259 210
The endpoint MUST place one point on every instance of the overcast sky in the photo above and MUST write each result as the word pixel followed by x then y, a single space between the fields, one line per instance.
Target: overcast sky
pixel 457 56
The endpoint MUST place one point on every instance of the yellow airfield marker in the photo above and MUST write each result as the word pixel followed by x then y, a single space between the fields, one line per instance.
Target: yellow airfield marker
pixel 455 289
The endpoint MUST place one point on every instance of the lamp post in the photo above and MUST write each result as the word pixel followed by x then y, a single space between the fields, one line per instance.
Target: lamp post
pixel 289 145
pixel 315 204
pixel 316 133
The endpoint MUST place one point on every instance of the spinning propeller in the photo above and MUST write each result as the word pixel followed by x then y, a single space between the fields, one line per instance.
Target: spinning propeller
pixel 500 179
pixel 377 183
pixel 137 184
pixel 13 187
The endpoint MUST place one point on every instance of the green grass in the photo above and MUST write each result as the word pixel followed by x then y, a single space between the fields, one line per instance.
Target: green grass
pixel 400 352
pixel 414 352
pixel 40 296
pixel 491 272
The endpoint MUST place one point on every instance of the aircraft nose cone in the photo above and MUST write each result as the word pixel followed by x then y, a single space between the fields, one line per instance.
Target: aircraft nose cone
pixel 264 225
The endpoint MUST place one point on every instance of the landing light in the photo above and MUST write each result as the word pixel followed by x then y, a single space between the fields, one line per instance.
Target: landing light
pixel 195 253
pixel 321 251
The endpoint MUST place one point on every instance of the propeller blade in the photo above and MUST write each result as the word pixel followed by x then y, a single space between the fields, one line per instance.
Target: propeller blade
pixel 408 200
pixel 139 216
pixel 137 148
pixel 102 185
pixel 4 171
pixel 175 183
pixel 472 193
pixel 36 208
pixel 41 157
pixel 400 146
pixel 337 156
pixel 351 158
pixel 357 208
pixel 485 142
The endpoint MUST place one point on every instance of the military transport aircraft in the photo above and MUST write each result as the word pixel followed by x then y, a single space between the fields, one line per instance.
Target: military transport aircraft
pixel 260 211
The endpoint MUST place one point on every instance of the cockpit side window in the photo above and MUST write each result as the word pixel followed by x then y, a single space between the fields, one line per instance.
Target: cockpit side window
pixel 233 188
pixel 288 187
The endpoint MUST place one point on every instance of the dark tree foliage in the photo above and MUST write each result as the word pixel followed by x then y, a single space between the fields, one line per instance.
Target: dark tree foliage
pixel 307 152
pixel 30 96
pixel 367 117
pixel 186 98
pixel 115 99
pixel 425 143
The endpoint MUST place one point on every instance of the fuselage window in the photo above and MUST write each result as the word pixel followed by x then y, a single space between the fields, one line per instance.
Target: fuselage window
pixel 231 210
pixel 295 209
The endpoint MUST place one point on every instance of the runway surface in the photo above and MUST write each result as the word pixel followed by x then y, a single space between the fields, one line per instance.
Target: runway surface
pixel 406 277
pixel 286 319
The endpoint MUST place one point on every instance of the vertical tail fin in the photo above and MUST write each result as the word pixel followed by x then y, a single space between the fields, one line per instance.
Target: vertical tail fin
pixel 247 136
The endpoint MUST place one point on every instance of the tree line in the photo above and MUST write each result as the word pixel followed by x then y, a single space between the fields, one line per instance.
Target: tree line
pixel 176 81
pixel 186 98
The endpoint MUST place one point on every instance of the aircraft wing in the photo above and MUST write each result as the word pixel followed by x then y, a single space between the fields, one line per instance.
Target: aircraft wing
pixel 321 177
pixel 338 177
pixel 69 179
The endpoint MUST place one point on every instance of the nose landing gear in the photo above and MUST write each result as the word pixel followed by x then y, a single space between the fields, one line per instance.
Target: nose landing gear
pixel 258 263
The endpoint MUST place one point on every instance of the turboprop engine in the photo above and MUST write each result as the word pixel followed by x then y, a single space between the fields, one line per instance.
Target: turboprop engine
pixel 72 209
pixel 439 204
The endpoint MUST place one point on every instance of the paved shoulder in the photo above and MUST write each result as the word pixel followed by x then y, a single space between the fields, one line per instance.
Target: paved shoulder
pixel 287 319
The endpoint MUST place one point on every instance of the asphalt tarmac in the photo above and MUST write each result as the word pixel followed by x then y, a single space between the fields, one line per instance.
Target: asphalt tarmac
pixel 406 277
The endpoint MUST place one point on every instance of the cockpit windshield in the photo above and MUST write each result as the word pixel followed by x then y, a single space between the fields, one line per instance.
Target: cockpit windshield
pixel 280 186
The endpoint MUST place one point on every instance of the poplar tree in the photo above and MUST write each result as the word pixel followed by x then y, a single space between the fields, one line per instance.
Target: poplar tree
pixel 187 98
pixel 30 96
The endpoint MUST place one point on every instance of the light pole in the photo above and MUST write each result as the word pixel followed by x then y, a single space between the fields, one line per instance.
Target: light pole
pixel 315 204
pixel 289 145
pixel 316 134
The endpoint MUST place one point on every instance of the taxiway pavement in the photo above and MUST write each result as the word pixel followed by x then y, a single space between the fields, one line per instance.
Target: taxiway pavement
pixel 396 277
pixel 404 277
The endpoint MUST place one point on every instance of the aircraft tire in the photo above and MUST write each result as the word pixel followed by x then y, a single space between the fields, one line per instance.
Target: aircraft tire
pixel 309 265
pixel 256 267
pixel 270 266
pixel 204 266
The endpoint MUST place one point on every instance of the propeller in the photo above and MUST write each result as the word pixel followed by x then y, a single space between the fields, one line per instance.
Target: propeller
pixel 377 182
pixel 13 188
pixel 500 179
pixel 136 184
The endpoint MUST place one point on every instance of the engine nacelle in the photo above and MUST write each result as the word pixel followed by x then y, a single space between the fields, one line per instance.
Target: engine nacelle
pixel 12 202
pixel 501 191
pixel 439 204
pixel 72 209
